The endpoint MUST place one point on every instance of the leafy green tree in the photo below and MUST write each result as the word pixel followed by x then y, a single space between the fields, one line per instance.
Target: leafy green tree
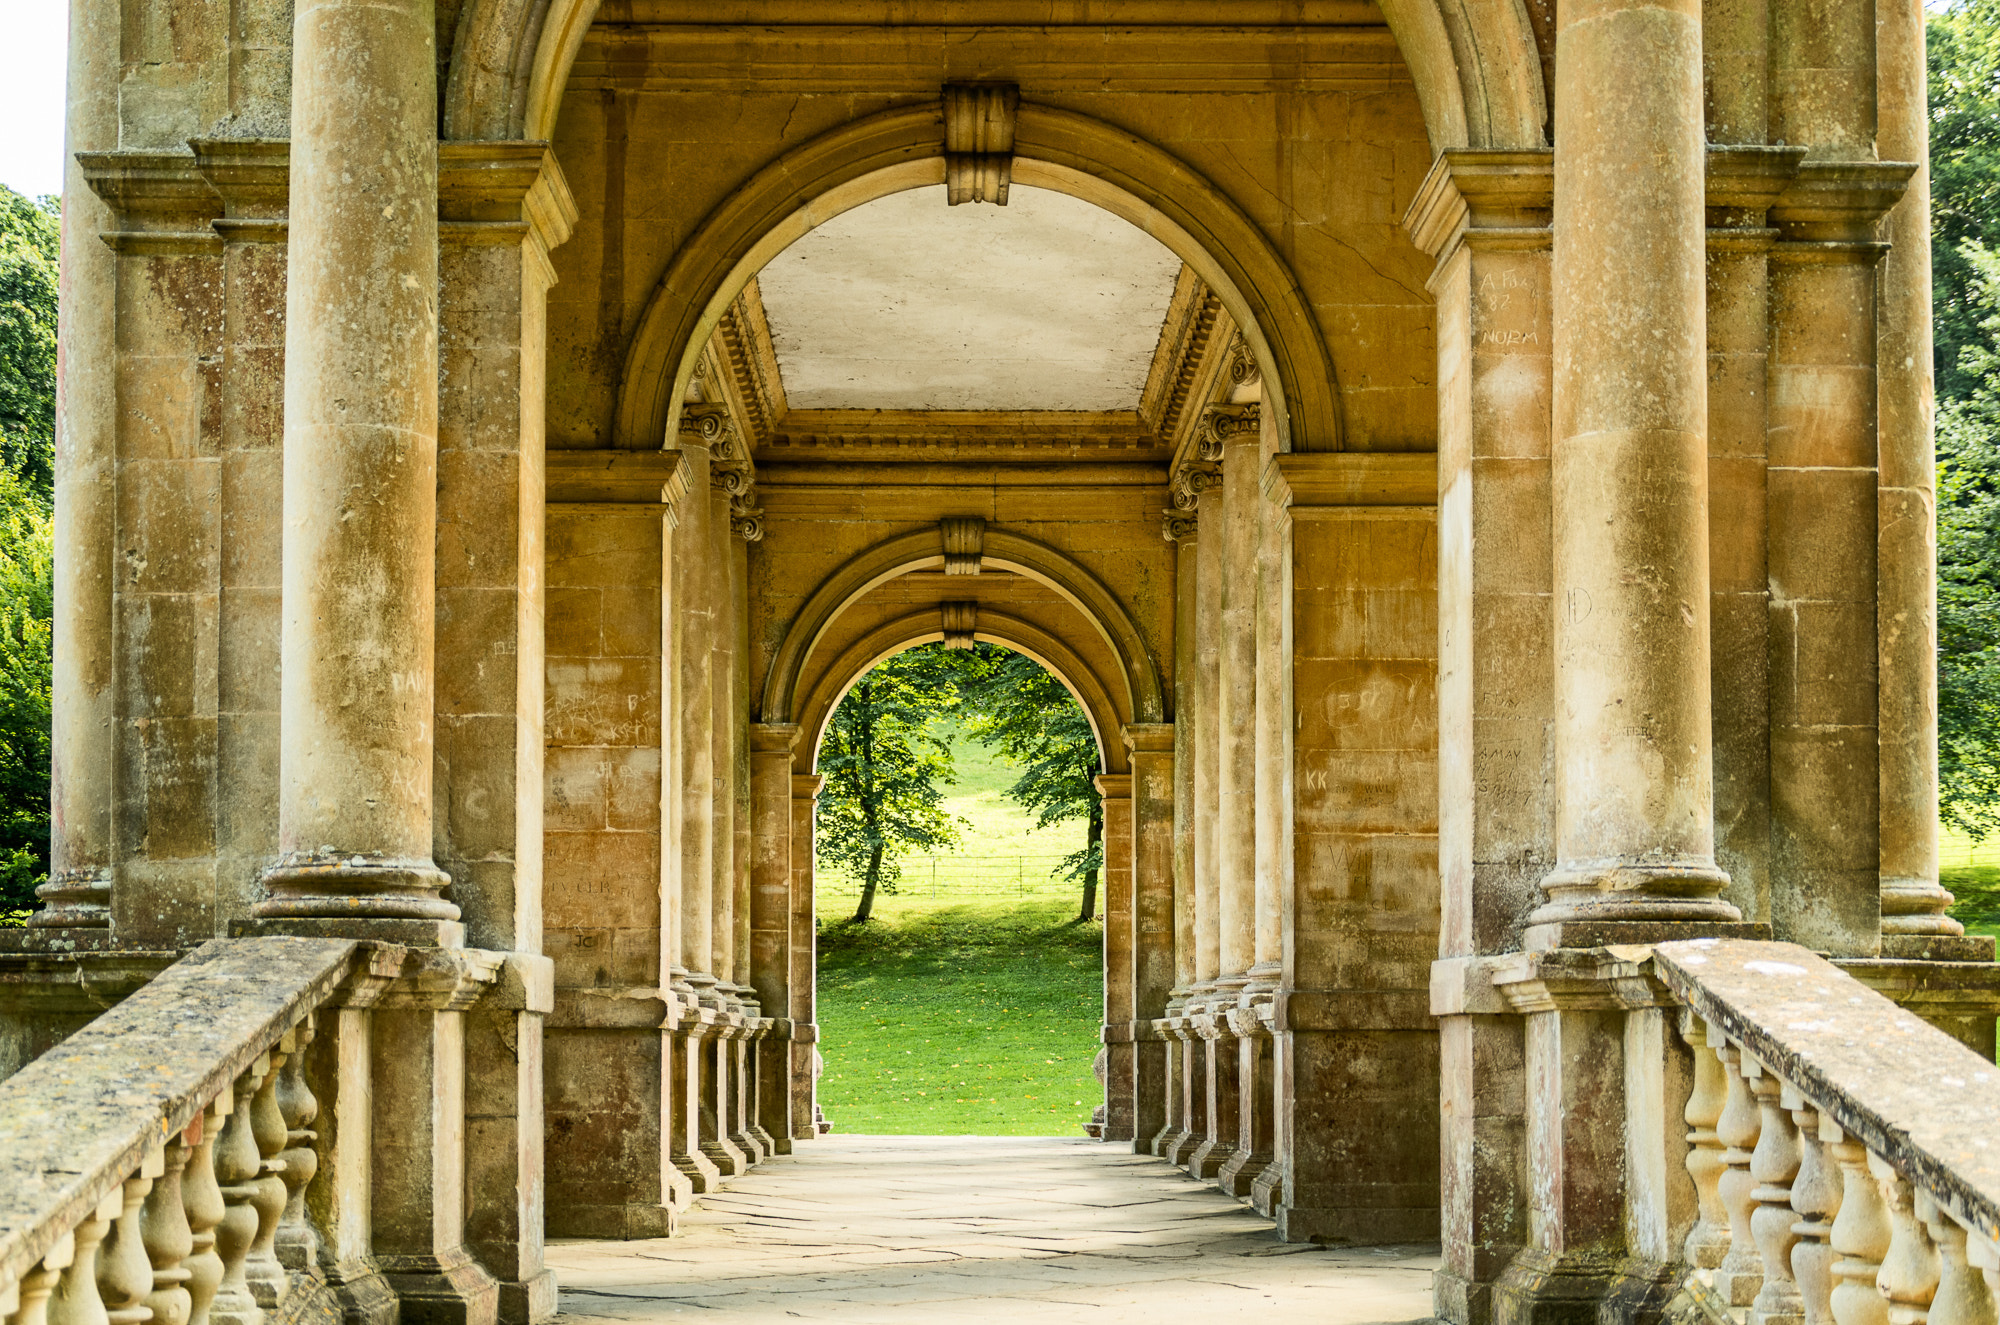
pixel 28 243
pixel 1013 703
pixel 886 769
pixel 27 579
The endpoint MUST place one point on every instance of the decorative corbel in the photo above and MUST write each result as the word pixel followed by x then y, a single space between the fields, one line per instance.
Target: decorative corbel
pixel 964 544
pixel 960 621
pixel 979 121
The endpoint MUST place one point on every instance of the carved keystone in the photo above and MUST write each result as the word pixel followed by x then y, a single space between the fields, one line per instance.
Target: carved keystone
pixel 979 124
pixel 964 544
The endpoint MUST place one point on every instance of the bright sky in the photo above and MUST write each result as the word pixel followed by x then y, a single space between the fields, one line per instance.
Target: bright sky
pixel 32 60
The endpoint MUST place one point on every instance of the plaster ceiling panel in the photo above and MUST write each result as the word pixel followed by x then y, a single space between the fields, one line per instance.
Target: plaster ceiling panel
pixel 1048 303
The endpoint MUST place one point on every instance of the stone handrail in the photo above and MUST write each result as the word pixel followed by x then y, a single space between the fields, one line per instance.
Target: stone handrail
pixel 147 1162
pixel 1843 1151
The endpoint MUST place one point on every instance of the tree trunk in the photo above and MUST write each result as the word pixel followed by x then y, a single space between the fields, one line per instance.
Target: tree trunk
pixel 862 912
pixel 1095 839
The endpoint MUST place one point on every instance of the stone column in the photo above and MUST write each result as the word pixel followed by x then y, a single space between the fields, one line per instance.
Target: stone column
pixel 1274 714
pixel 1635 827
pixel 719 556
pixel 804 1072
pixel 360 500
pixel 1120 1067
pixel 1236 694
pixel 694 621
pixel 739 750
pixel 1207 739
pixel 771 961
pixel 1181 531
pixel 1153 830
pixel 1913 902
pixel 78 892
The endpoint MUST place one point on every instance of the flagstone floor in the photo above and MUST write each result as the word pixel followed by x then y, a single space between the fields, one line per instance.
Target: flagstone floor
pixel 1049 1230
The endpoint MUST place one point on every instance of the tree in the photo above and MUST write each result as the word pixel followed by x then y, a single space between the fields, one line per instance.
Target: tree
pixel 27 581
pixel 885 771
pixel 28 245
pixel 1013 703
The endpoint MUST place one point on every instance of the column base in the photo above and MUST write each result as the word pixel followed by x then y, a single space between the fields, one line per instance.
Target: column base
pixel 1267 1192
pixel 531 1301
pixel 443 1290
pixel 1539 1289
pixel 363 1295
pixel 700 1171
pixel 1938 947
pixel 1207 1159
pixel 1239 1173
pixel 1460 1301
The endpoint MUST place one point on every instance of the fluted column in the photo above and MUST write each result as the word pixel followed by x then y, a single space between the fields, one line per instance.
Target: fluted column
pixel 1635 828
pixel 78 892
pixel 1913 901
pixel 354 812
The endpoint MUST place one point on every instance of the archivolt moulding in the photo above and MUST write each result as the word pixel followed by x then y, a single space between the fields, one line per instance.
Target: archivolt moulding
pixel 923 549
pixel 825 687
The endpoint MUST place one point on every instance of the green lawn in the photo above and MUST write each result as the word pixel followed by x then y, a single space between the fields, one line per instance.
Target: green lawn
pixel 974 1011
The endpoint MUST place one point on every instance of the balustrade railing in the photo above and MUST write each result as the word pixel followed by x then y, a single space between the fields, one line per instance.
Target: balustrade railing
pixel 1843 1151
pixel 153 1166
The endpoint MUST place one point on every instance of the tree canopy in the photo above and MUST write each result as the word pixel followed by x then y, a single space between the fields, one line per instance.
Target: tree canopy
pixel 28 244
pixel 1013 703
pixel 886 769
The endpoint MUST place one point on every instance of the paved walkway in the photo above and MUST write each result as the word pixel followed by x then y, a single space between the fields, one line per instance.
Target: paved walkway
pixel 924 1228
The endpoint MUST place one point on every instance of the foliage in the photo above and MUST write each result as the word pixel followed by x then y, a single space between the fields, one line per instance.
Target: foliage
pixel 27 566
pixel 885 769
pixel 28 242
pixel 961 1019
pixel 1015 704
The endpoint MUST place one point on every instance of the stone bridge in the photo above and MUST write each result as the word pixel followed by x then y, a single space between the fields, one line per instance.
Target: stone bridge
pixel 1471 461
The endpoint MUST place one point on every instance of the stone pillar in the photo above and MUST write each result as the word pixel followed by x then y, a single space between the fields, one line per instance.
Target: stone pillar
pixel 1273 756
pixel 78 892
pixel 360 485
pixel 690 1100
pixel 1207 752
pixel 1235 703
pixel 1120 1067
pixel 694 622
pixel 1153 785
pixel 419 1171
pixel 1251 1158
pixel 1635 826
pixel 1913 902
pixel 1181 531
pixel 1822 505
pixel 339 1069
pixel 1221 1094
pixel 739 751
pixel 804 1071
pixel 771 921
pixel 718 559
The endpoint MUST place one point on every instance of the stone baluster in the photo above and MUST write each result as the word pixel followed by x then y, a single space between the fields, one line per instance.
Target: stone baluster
pixel 202 1200
pixel 1963 1296
pixel 124 1271
pixel 77 1300
pixel 237 1166
pixel 1708 1241
pixel 1741 1273
pixel 39 1283
pixel 1774 1164
pixel 261 1270
pixel 1909 1273
pixel 1984 1254
pixel 298 1243
pixel 1860 1237
pixel 169 1239
pixel 1816 1199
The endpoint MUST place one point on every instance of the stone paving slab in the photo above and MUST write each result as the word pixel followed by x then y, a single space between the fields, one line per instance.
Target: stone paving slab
pixel 906 1229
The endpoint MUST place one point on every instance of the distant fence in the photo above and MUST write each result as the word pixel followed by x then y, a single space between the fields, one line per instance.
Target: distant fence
pixel 986 875
pixel 1956 851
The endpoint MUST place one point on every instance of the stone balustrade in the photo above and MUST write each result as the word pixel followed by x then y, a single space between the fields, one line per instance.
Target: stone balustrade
pixel 205 1152
pixel 1840 1147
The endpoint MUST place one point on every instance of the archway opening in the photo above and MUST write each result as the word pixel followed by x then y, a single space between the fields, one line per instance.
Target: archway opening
pixel 959 841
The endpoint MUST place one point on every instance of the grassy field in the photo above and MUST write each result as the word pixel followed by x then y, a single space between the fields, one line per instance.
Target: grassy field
pixel 964 1014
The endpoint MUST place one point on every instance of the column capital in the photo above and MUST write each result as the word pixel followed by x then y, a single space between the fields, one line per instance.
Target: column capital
pixel 1841 201
pixel 805 786
pixel 1148 737
pixel 1500 194
pixel 1113 786
pixel 771 738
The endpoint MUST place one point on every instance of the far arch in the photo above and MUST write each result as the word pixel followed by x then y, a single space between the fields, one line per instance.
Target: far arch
pixel 827 685
pixel 923 549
